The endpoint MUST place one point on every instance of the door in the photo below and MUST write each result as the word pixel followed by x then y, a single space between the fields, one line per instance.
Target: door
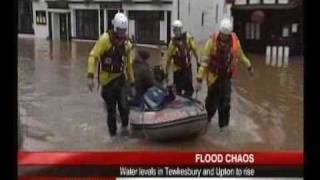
pixel 110 15
pixel 63 27
pixel 50 25
pixel 147 26
pixel 25 17
pixel 101 21
pixel 87 24
pixel 69 25
pixel 168 26
pixel 148 31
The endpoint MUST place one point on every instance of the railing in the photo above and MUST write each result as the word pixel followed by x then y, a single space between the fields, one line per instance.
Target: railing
pixel 277 55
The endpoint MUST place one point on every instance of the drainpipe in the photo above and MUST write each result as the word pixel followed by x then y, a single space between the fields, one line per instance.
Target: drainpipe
pixel 178 9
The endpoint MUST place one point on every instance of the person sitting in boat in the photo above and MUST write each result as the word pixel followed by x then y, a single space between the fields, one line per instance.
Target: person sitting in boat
pixel 144 77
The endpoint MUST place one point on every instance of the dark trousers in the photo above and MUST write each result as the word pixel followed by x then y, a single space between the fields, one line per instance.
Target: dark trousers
pixel 113 94
pixel 183 82
pixel 219 98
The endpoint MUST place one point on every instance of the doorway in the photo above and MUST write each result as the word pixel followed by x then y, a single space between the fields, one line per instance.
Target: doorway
pixel 111 14
pixel 63 27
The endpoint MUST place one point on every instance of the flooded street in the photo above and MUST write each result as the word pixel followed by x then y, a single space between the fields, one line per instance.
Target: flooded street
pixel 58 113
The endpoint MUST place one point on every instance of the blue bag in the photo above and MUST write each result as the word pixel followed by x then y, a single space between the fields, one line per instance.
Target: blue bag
pixel 154 99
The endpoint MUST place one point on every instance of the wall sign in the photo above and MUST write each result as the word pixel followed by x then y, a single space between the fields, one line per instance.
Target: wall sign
pixel 41 18
pixel 258 16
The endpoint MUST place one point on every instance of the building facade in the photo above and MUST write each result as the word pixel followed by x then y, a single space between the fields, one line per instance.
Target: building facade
pixel 25 18
pixel 201 17
pixel 149 20
pixel 269 23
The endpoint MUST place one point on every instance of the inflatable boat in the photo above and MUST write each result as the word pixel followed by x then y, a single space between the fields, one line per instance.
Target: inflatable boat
pixel 181 117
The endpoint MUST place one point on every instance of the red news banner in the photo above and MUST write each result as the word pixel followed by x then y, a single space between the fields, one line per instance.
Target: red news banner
pixel 160 158
pixel 161 164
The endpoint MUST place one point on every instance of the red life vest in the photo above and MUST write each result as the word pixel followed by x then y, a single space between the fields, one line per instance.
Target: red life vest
pixel 112 60
pixel 220 61
pixel 182 57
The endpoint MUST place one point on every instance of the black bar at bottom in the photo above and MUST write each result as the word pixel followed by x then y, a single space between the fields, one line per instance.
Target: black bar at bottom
pixel 114 171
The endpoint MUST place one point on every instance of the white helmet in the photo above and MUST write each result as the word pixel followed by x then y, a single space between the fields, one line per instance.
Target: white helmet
pixel 177 24
pixel 120 20
pixel 177 28
pixel 226 26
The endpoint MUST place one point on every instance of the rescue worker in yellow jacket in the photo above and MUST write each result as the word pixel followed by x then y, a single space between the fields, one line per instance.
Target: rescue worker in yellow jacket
pixel 221 54
pixel 179 55
pixel 113 52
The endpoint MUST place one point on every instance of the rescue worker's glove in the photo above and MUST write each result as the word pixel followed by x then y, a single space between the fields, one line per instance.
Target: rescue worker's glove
pixel 251 71
pixel 90 82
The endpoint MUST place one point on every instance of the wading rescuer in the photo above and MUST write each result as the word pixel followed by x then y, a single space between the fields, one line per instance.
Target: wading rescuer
pixel 113 52
pixel 179 54
pixel 222 52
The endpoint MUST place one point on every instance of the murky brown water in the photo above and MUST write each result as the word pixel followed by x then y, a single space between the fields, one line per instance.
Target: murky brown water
pixel 59 113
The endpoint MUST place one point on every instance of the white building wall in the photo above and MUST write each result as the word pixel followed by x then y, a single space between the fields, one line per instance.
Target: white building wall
pixel 73 22
pixel 131 28
pixel 193 20
pixel 55 26
pixel 163 28
pixel 105 17
pixel 40 31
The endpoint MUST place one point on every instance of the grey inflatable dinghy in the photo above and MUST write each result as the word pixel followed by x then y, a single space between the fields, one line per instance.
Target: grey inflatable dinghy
pixel 180 118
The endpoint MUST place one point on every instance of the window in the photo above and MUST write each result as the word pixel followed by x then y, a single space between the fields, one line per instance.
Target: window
pixel 240 2
pixel 252 31
pixel 294 28
pixel 269 1
pixel 254 1
pixel 41 18
pixel 101 22
pixel 282 31
pixel 87 24
pixel 248 30
pixel 257 29
pixel 276 32
pixel 153 15
pixel 285 31
pixel 283 1
pixel 147 26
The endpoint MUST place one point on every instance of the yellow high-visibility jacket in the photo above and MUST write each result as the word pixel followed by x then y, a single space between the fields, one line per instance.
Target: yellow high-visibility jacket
pixel 103 45
pixel 209 50
pixel 172 50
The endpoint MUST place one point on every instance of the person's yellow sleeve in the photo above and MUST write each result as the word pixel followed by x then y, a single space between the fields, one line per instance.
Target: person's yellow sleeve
pixel 129 58
pixel 97 51
pixel 169 57
pixel 208 48
pixel 243 58
pixel 193 45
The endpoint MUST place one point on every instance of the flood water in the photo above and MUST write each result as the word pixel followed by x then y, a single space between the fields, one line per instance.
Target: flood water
pixel 58 113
